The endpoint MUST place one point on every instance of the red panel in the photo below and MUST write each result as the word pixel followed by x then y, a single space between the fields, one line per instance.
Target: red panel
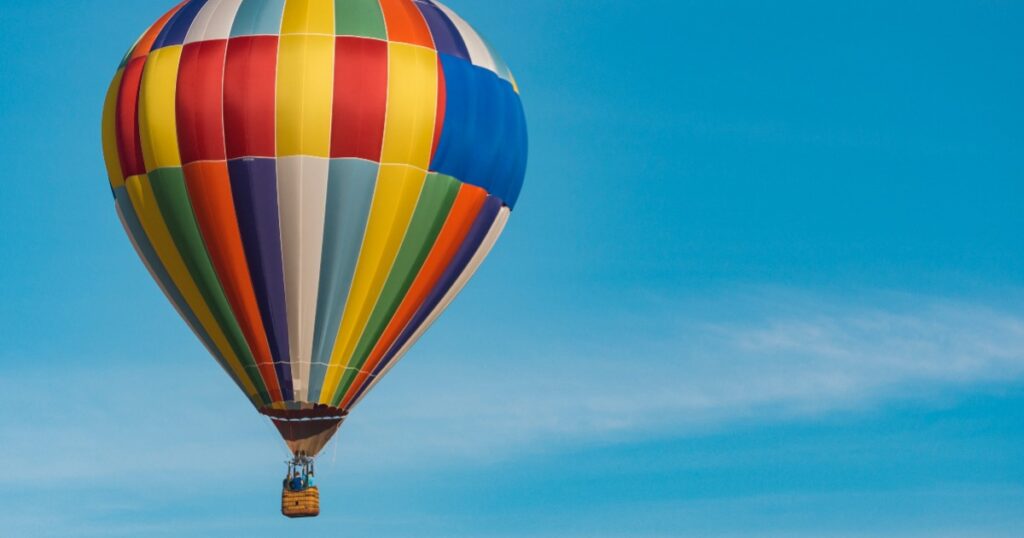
pixel 200 97
pixel 442 97
pixel 250 79
pixel 129 143
pixel 209 190
pixel 405 23
pixel 360 97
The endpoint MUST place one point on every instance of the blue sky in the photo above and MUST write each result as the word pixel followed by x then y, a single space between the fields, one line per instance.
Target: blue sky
pixel 764 280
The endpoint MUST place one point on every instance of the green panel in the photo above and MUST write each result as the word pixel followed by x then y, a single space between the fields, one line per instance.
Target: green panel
pixel 359 18
pixel 172 197
pixel 439 192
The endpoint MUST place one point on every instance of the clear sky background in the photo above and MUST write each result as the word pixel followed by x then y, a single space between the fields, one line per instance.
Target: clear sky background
pixel 766 279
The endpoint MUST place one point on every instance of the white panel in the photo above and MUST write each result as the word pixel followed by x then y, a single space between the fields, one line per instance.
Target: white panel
pixel 197 31
pixel 213 21
pixel 474 263
pixel 222 20
pixel 499 65
pixel 302 199
pixel 479 52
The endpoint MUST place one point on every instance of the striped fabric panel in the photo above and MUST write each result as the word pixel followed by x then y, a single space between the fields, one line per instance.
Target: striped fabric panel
pixel 142 207
pixel 209 188
pixel 135 200
pixel 310 182
pixel 350 194
pixel 398 189
pixel 144 204
pixel 255 197
pixel 464 210
pixel 149 257
pixel 302 201
pixel 482 238
pixel 169 190
pixel 201 131
pixel 435 202
pixel 158 127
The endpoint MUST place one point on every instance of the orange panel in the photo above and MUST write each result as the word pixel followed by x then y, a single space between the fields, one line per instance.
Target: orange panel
pixel 405 23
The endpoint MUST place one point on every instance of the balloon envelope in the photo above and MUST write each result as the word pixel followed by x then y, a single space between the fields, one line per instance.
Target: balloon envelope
pixel 311 182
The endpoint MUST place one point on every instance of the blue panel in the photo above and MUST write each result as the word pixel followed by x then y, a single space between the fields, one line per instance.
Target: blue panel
pixel 258 17
pixel 254 193
pixel 146 250
pixel 350 187
pixel 483 139
pixel 177 28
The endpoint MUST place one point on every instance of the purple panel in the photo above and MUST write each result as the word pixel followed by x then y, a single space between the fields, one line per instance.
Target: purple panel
pixel 254 189
pixel 447 38
pixel 474 238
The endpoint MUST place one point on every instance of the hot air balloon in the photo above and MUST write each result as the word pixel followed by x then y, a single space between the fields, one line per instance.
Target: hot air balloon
pixel 311 183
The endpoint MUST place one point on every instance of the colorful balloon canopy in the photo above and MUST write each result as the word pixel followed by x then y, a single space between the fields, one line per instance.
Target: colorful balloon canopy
pixel 311 182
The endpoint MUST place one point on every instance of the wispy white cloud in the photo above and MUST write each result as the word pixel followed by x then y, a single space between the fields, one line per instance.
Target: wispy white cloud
pixel 760 356
pixel 766 356
pixel 154 428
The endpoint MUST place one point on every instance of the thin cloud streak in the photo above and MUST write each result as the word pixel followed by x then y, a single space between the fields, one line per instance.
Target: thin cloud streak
pixel 169 426
pixel 814 357
pixel 746 360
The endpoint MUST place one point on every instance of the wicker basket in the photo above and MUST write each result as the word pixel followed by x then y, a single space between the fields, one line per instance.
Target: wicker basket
pixel 305 503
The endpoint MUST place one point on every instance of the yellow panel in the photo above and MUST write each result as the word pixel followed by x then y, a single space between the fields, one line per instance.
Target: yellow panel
pixel 412 105
pixel 110 154
pixel 157 123
pixel 394 200
pixel 144 201
pixel 308 17
pixel 305 90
